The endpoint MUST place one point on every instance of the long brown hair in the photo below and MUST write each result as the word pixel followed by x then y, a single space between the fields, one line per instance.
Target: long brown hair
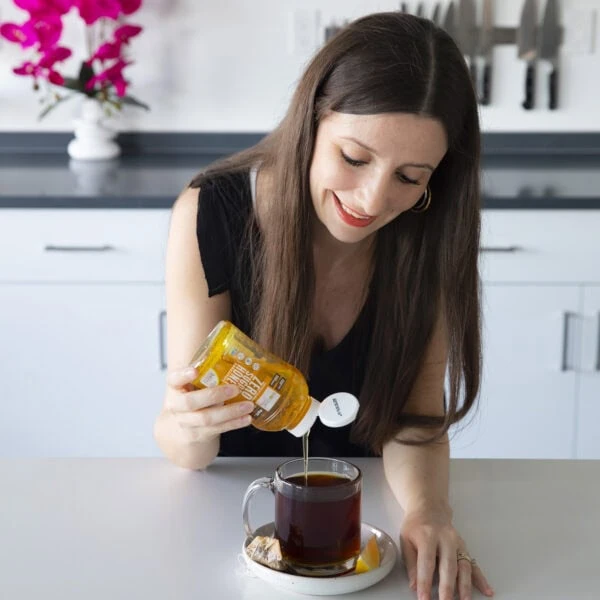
pixel 425 263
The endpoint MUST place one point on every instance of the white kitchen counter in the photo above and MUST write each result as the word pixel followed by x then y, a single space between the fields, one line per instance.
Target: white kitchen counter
pixel 144 529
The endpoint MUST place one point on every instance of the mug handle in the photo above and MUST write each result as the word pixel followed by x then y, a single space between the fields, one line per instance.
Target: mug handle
pixel 262 482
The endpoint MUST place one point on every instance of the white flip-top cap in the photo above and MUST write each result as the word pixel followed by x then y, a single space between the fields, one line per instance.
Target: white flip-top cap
pixel 307 420
pixel 338 409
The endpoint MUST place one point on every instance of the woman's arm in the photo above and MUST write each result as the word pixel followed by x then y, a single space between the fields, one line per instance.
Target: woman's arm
pixel 418 475
pixel 419 479
pixel 191 315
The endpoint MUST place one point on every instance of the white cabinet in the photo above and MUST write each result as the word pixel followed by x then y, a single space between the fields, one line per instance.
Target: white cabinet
pixel 588 414
pixel 540 391
pixel 118 245
pixel 82 375
pixel 527 400
pixel 81 331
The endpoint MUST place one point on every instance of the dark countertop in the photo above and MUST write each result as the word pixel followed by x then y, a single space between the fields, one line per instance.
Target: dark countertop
pixel 154 181
pixel 55 181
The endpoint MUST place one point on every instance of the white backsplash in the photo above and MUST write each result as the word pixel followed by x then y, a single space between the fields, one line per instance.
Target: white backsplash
pixel 229 66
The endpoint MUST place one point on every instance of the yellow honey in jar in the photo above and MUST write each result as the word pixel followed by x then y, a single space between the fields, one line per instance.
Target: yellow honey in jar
pixel 279 391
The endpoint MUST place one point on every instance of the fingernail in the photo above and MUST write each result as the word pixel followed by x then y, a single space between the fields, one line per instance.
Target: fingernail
pixel 189 372
pixel 246 407
pixel 232 390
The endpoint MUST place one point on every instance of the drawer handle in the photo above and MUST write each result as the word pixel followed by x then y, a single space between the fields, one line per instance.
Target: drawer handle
pixel 162 356
pixel 501 249
pixel 598 344
pixel 566 334
pixel 105 248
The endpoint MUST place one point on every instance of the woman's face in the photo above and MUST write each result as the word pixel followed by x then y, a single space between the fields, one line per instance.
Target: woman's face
pixel 367 169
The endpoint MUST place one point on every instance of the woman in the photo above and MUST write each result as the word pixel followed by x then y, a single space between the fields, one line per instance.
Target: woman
pixel 346 242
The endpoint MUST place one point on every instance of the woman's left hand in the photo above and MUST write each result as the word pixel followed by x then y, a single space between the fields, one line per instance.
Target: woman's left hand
pixel 429 542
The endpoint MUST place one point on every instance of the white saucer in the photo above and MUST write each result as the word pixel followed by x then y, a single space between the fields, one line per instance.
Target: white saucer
pixel 327 586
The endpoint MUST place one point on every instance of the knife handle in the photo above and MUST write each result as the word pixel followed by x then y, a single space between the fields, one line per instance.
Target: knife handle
pixel 486 84
pixel 529 87
pixel 553 88
pixel 473 72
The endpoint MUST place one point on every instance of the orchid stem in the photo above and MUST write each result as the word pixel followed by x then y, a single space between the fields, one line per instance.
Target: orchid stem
pixel 88 40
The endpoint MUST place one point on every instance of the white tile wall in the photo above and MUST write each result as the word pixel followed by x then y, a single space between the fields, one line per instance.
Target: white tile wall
pixel 227 66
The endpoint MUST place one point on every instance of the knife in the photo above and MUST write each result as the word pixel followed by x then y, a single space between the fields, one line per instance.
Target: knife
pixel 549 45
pixel 466 35
pixel 436 17
pixel 527 49
pixel 450 21
pixel 486 49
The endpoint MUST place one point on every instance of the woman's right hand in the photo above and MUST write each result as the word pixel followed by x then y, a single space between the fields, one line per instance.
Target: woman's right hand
pixel 202 414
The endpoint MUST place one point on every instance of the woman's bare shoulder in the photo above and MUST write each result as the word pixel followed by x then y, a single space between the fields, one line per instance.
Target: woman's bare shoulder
pixel 191 312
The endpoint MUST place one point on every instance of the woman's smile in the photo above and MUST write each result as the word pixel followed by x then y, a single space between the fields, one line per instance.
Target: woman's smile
pixel 350 216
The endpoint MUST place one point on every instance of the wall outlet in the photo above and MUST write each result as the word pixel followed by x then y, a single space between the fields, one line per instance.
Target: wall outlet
pixel 332 29
pixel 580 31
pixel 304 31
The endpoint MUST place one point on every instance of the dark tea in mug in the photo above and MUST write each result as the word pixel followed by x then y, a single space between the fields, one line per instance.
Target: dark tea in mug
pixel 317 515
pixel 318 530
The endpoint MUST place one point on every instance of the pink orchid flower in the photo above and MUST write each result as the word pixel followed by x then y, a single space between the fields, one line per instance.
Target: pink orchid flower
pixel 39 7
pixel 63 6
pixel 130 6
pixel 20 34
pixel 44 31
pixel 126 32
pixel 54 55
pixel 111 76
pixel 28 69
pixel 106 51
pixel 48 29
pixel 110 50
pixel 55 77
pixel 120 84
pixel 92 10
pixel 37 71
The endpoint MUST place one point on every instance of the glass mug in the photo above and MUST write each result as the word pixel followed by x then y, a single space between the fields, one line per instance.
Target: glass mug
pixel 317 520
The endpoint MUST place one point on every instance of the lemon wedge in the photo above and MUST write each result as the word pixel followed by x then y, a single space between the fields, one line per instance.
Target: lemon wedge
pixel 369 558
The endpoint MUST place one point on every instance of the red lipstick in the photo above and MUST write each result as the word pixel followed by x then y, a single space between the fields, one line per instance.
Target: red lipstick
pixel 347 217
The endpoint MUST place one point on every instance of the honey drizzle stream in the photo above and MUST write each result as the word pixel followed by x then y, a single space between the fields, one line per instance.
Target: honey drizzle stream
pixel 305 455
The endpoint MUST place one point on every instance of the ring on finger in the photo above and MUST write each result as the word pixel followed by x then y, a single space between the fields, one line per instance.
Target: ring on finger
pixel 462 555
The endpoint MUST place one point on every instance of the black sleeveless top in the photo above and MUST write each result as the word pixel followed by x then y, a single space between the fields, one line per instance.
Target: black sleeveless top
pixel 224 210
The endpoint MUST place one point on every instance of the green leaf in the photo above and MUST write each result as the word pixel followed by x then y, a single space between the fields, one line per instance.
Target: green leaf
pixel 85 74
pixel 133 102
pixel 72 84
pixel 114 103
pixel 53 106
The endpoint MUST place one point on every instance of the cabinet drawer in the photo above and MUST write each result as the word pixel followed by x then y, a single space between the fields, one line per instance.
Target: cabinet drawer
pixel 544 246
pixel 83 245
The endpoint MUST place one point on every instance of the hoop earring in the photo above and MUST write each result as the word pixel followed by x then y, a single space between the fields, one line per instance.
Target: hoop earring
pixel 424 201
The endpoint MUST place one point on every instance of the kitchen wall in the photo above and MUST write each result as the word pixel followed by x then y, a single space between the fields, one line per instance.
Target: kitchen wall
pixel 231 65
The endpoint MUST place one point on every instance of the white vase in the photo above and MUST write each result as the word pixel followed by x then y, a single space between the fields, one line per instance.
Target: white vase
pixel 93 139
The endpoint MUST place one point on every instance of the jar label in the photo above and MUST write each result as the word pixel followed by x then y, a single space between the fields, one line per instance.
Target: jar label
pixel 268 399
pixel 249 384
pixel 210 378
